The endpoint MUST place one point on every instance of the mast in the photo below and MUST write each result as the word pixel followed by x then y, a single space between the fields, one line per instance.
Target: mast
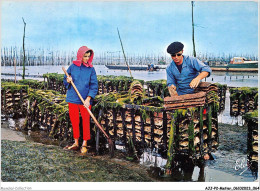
pixel 193 41
pixel 23 50
pixel 124 52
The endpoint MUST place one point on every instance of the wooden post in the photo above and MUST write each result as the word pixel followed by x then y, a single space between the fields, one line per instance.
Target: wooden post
pixel 239 104
pixel 133 125
pixel 148 92
pixel 142 130
pixel 102 85
pixel 165 129
pixel 152 129
pixel 23 50
pixel 100 114
pixel 21 100
pixel 124 125
pixel 210 126
pixel 42 115
pixel 170 152
pixel 14 70
pixel 114 123
pixel 194 51
pixel 191 134
pixel 201 131
pixel 106 124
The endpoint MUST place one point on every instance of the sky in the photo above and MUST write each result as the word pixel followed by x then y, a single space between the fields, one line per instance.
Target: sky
pixel 146 27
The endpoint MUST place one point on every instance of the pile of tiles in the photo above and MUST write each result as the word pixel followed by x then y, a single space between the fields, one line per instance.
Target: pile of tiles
pixel 205 93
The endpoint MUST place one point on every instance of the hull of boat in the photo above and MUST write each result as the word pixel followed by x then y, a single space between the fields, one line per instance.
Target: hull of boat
pixel 254 65
pixel 120 67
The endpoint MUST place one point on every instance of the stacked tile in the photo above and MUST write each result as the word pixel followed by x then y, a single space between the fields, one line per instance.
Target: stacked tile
pixel 14 99
pixel 206 87
pixel 48 111
pixel 55 82
pixel 222 89
pixel 184 101
pixel 156 88
pixel 196 132
pixel 112 83
pixel 204 93
pixel 130 123
pixel 251 119
pixel 243 100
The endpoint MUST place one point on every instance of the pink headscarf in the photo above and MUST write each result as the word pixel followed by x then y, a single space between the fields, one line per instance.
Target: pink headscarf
pixel 82 50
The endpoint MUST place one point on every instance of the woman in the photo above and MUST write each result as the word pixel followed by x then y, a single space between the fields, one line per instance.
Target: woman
pixel 83 75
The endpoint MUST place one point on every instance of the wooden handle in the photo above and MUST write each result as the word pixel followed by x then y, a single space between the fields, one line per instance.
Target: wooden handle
pixel 73 86
pixel 91 114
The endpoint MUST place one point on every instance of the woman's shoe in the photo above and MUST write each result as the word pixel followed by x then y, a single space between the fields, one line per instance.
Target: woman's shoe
pixel 73 147
pixel 84 149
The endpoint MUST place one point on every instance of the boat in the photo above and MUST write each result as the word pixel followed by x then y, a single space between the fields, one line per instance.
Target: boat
pixel 242 62
pixel 237 64
pixel 134 67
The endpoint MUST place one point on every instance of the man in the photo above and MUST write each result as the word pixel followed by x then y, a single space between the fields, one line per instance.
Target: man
pixel 184 73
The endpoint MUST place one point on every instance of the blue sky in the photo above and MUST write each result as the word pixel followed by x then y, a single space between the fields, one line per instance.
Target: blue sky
pixel 145 27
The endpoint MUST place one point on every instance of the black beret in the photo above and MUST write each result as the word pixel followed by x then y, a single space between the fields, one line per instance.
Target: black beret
pixel 175 47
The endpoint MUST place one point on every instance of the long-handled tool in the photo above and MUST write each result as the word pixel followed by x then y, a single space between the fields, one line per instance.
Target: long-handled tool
pixel 110 142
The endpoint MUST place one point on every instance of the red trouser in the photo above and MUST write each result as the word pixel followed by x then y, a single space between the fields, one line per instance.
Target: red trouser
pixel 74 118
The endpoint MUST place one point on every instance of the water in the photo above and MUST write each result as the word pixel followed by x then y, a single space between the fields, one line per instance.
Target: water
pixel 224 116
pixel 229 164
pixel 232 79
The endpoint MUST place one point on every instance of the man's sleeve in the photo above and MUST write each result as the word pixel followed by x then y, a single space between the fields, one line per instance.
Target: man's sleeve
pixel 170 77
pixel 201 67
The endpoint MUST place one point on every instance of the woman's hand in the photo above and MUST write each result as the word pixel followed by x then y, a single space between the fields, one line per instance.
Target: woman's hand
pixel 69 79
pixel 87 102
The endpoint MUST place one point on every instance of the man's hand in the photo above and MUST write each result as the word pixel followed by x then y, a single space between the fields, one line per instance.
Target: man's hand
pixel 87 102
pixel 195 82
pixel 69 79
pixel 172 90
